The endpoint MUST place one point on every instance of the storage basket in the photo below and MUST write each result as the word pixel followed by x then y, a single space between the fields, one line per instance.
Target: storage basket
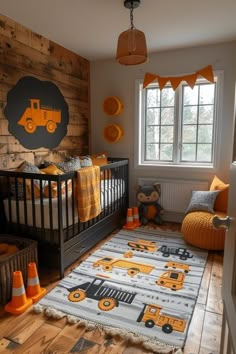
pixel 19 261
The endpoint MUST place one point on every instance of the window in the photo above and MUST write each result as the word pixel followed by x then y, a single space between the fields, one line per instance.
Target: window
pixel 179 127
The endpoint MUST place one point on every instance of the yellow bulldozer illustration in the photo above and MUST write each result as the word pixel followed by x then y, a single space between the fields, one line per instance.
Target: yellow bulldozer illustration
pixel 39 116
pixel 133 268
pixel 151 315
pixel 143 245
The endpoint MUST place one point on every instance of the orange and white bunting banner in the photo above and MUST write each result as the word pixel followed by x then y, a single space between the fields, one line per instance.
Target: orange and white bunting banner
pixel 206 72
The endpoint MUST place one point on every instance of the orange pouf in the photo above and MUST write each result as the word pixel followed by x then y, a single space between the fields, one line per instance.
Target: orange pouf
pixel 198 230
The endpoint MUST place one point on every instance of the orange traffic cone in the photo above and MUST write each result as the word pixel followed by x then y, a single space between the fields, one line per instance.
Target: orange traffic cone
pixel 136 216
pixel 33 290
pixel 129 220
pixel 19 302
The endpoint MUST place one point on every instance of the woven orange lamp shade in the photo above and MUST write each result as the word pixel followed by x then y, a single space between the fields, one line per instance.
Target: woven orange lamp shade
pixel 131 47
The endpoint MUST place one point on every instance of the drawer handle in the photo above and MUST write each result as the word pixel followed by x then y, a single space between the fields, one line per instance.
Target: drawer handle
pixel 80 250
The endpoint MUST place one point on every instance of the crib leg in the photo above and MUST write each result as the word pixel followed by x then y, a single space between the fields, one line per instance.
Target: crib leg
pixel 61 268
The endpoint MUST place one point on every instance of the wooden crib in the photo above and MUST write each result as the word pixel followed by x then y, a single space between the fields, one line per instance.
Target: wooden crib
pixel 53 220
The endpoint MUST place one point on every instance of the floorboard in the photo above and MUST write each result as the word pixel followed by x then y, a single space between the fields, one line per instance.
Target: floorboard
pixel 214 299
pixel 31 333
pixel 66 340
pixel 211 332
pixel 192 344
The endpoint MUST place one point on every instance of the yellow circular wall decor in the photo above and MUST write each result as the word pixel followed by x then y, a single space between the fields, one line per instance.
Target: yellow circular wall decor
pixel 112 106
pixel 112 133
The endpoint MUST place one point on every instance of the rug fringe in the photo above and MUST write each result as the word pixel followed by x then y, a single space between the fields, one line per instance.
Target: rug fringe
pixel 134 338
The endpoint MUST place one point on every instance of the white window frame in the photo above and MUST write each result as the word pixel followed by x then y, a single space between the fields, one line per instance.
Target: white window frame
pixel 139 161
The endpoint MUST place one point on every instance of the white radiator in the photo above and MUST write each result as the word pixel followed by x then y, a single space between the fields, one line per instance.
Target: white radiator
pixel 175 194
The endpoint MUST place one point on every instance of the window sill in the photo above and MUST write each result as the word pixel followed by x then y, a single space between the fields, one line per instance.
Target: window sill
pixel 182 168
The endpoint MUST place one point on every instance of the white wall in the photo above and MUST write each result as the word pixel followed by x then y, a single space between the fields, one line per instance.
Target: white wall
pixel 111 79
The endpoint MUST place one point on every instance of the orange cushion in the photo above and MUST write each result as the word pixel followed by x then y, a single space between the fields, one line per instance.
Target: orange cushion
pixel 100 160
pixel 53 188
pixel 221 202
pixel 51 170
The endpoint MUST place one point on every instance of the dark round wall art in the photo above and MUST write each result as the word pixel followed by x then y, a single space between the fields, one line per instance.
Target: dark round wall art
pixel 37 113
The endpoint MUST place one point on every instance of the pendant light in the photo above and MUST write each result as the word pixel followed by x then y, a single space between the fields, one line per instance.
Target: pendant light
pixel 131 47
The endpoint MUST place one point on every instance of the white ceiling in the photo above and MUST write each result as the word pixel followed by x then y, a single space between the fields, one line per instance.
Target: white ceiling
pixel 91 27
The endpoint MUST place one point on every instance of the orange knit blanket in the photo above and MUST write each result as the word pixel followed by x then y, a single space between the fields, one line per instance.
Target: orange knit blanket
pixel 88 192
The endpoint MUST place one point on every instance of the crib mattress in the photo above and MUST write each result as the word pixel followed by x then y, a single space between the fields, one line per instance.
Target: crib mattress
pixel 45 214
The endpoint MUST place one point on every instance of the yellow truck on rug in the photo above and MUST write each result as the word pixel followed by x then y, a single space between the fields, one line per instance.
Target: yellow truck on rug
pixel 143 245
pixel 151 315
pixel 133 268
pixel 171 279
pixel 107 296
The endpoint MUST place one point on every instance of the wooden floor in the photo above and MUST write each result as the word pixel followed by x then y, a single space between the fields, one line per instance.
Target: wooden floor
pixel 33 333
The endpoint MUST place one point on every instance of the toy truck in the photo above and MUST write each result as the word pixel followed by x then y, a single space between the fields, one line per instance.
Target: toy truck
pixel 151 315
pixel 107 296
pixel 181 252
pixel 133 268
pixel 171 279
pixel 143 245
pixel 36 115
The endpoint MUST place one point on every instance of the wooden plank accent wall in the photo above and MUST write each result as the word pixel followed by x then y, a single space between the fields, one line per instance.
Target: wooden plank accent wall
pixel 25 53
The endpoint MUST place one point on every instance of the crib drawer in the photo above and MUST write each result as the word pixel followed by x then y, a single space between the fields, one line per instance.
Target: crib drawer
pixel 78 250
pixel 90 238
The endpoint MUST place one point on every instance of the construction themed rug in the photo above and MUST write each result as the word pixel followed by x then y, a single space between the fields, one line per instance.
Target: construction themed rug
pixel 141 284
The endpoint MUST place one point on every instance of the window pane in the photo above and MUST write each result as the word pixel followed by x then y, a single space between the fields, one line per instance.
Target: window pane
pixel 152 152
pixel 189 134
pixel 167 116
pixel 205 134
pixel 206 114
pixel 204 152
pixel 153 98
pixel 178 121
pixel 207 92
pixel 167 97
pixel 188 152
pixel 153 116
pixel 167 134
pixel 190 95
pixel 190 115
pixel 152 135
pixel 166 152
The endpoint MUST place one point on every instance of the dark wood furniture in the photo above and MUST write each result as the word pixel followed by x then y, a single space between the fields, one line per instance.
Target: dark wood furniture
pixel 54 222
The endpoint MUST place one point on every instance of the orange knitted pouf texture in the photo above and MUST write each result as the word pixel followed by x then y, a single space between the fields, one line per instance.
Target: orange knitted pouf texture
pixel 198 230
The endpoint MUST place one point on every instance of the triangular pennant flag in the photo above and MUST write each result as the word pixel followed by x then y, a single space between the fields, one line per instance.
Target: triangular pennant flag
pixel 175 81
pixel 190 79
pixel 148 79
pixel 162 81
pixel 207 73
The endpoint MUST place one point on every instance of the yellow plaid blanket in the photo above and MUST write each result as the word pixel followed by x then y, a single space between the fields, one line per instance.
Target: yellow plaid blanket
pixel 88 192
